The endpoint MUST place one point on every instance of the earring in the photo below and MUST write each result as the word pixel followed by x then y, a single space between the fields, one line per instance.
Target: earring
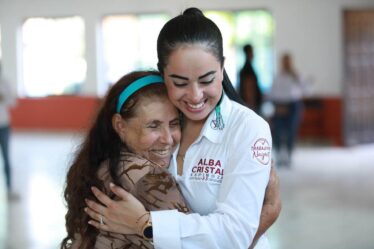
pixel 218 122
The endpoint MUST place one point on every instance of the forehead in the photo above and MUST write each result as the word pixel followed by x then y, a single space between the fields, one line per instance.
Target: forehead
pixel 153 107
pixel 192 59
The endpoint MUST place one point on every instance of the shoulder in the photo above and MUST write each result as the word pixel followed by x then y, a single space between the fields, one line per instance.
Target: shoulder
pixel 248 138
pixel 129 170
pixel 242 116
pixel 134 167
pixel 245 126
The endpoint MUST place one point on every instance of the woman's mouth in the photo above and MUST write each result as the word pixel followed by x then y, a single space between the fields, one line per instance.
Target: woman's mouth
pixel 195 107
pixel 162 153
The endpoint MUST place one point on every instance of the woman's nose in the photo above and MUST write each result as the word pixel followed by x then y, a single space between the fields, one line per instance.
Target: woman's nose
pixel 166 136
pixel 195 93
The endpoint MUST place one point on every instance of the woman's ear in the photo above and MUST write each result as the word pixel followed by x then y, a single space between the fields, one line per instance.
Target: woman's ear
pixel 119 125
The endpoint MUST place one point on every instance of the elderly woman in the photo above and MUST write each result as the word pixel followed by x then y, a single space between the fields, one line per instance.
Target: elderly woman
pixel 130 143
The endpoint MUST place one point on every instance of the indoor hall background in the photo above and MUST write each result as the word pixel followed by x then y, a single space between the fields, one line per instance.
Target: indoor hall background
pixel 327 196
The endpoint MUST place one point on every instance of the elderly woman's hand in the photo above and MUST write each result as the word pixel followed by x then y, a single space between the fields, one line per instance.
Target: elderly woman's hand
pixel 119 216
pixel 271 208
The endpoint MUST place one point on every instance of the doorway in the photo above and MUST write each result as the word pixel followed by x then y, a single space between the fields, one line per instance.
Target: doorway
pixel 358 76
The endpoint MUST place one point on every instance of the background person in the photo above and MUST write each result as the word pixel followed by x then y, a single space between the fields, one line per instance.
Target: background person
pixel 249 88
pixel 7 100
pixel 223 161
pixel 287 94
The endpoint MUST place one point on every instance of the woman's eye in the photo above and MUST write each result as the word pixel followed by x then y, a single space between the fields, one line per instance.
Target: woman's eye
pixel 207 81
pixel 152 126
pixel 179 84
pixel 175 123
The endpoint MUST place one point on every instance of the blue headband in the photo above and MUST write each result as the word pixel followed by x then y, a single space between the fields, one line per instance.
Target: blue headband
pixel 135 86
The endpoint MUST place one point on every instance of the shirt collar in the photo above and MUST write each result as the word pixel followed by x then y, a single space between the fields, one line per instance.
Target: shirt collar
pixel 209 130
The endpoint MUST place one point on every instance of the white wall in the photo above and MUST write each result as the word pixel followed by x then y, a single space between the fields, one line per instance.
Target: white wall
pixel 310 29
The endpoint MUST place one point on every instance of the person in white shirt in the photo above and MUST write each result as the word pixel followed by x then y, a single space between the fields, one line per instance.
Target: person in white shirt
pixel 286 94
pixel 7 100
pixel 222 163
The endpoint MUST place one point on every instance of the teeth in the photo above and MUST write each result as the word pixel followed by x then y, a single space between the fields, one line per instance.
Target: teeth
pixel 197 106
pixel 162 152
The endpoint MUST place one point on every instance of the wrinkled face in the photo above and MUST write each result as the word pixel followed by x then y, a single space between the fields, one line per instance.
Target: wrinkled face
pixel 193 77
pixel 154 132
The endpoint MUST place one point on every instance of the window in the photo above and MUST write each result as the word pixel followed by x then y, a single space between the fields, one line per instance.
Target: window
pixel 129 43
pixel 239 28
pixel 53 56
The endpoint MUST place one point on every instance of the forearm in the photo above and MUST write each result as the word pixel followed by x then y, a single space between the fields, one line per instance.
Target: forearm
pixel 269 215
pixel 173 229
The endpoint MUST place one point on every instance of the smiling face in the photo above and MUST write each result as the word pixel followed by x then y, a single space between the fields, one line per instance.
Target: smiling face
pixel 193 77
pixel 153 132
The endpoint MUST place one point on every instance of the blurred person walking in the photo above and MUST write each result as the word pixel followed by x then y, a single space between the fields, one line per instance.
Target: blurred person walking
pixel 7 99
pixel 287 96
pixel 249 88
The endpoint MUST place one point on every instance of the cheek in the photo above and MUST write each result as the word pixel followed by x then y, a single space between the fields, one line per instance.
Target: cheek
pixel 177 136
pixel 173 92
pixel 216 89
pixel 147 140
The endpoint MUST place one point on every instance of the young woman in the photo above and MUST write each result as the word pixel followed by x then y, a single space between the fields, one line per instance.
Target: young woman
pixel 130 143
pixel 223 161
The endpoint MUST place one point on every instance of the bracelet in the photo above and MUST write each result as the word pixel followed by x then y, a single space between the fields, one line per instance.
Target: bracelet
pixel 147 231
pixel 138 219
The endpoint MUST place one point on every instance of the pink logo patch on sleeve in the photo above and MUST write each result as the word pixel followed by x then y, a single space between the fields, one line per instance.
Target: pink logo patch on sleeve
pixel 261 151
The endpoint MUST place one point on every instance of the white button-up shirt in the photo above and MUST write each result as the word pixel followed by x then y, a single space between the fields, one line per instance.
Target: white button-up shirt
pixel 225 174
pixel 286 89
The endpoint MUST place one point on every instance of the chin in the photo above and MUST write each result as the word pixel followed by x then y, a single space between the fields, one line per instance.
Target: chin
pixel 199 117
pixel 164 162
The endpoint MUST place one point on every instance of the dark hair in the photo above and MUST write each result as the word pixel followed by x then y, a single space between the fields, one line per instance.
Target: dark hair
pixel 193 27
pixel 247 48
pixel 101 143
pixel 288 67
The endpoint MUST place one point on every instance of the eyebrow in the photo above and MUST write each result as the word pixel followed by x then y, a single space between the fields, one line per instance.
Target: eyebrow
pixel 207 74
pixel 186 78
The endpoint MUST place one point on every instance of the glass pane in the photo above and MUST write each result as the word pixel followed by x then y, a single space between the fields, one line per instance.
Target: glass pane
pixel 53 56
pixel 239 28
pixel 129 43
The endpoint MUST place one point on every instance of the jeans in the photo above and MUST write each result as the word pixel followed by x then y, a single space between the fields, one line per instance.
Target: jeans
pixel 4 144
pixel 285 125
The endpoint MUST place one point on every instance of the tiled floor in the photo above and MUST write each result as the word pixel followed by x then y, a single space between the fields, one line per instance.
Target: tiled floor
pixel 328 196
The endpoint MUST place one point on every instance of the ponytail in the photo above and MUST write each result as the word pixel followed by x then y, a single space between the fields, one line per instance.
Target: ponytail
pixel 230 90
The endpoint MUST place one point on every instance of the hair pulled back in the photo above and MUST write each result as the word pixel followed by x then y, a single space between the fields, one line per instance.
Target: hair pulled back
pixel 189 28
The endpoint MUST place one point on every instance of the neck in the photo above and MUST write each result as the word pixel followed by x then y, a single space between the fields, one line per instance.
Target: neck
pixel 193 127
pixel 190 132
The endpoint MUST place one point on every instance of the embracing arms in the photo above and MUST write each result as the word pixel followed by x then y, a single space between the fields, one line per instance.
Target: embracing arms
pixel 117 219
pixel 235 219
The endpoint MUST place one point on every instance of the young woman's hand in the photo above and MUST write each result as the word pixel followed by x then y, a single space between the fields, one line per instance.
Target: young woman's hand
pixel 119 216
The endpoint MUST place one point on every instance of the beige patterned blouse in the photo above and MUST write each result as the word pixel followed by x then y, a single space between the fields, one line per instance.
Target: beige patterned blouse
pixel 151 184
